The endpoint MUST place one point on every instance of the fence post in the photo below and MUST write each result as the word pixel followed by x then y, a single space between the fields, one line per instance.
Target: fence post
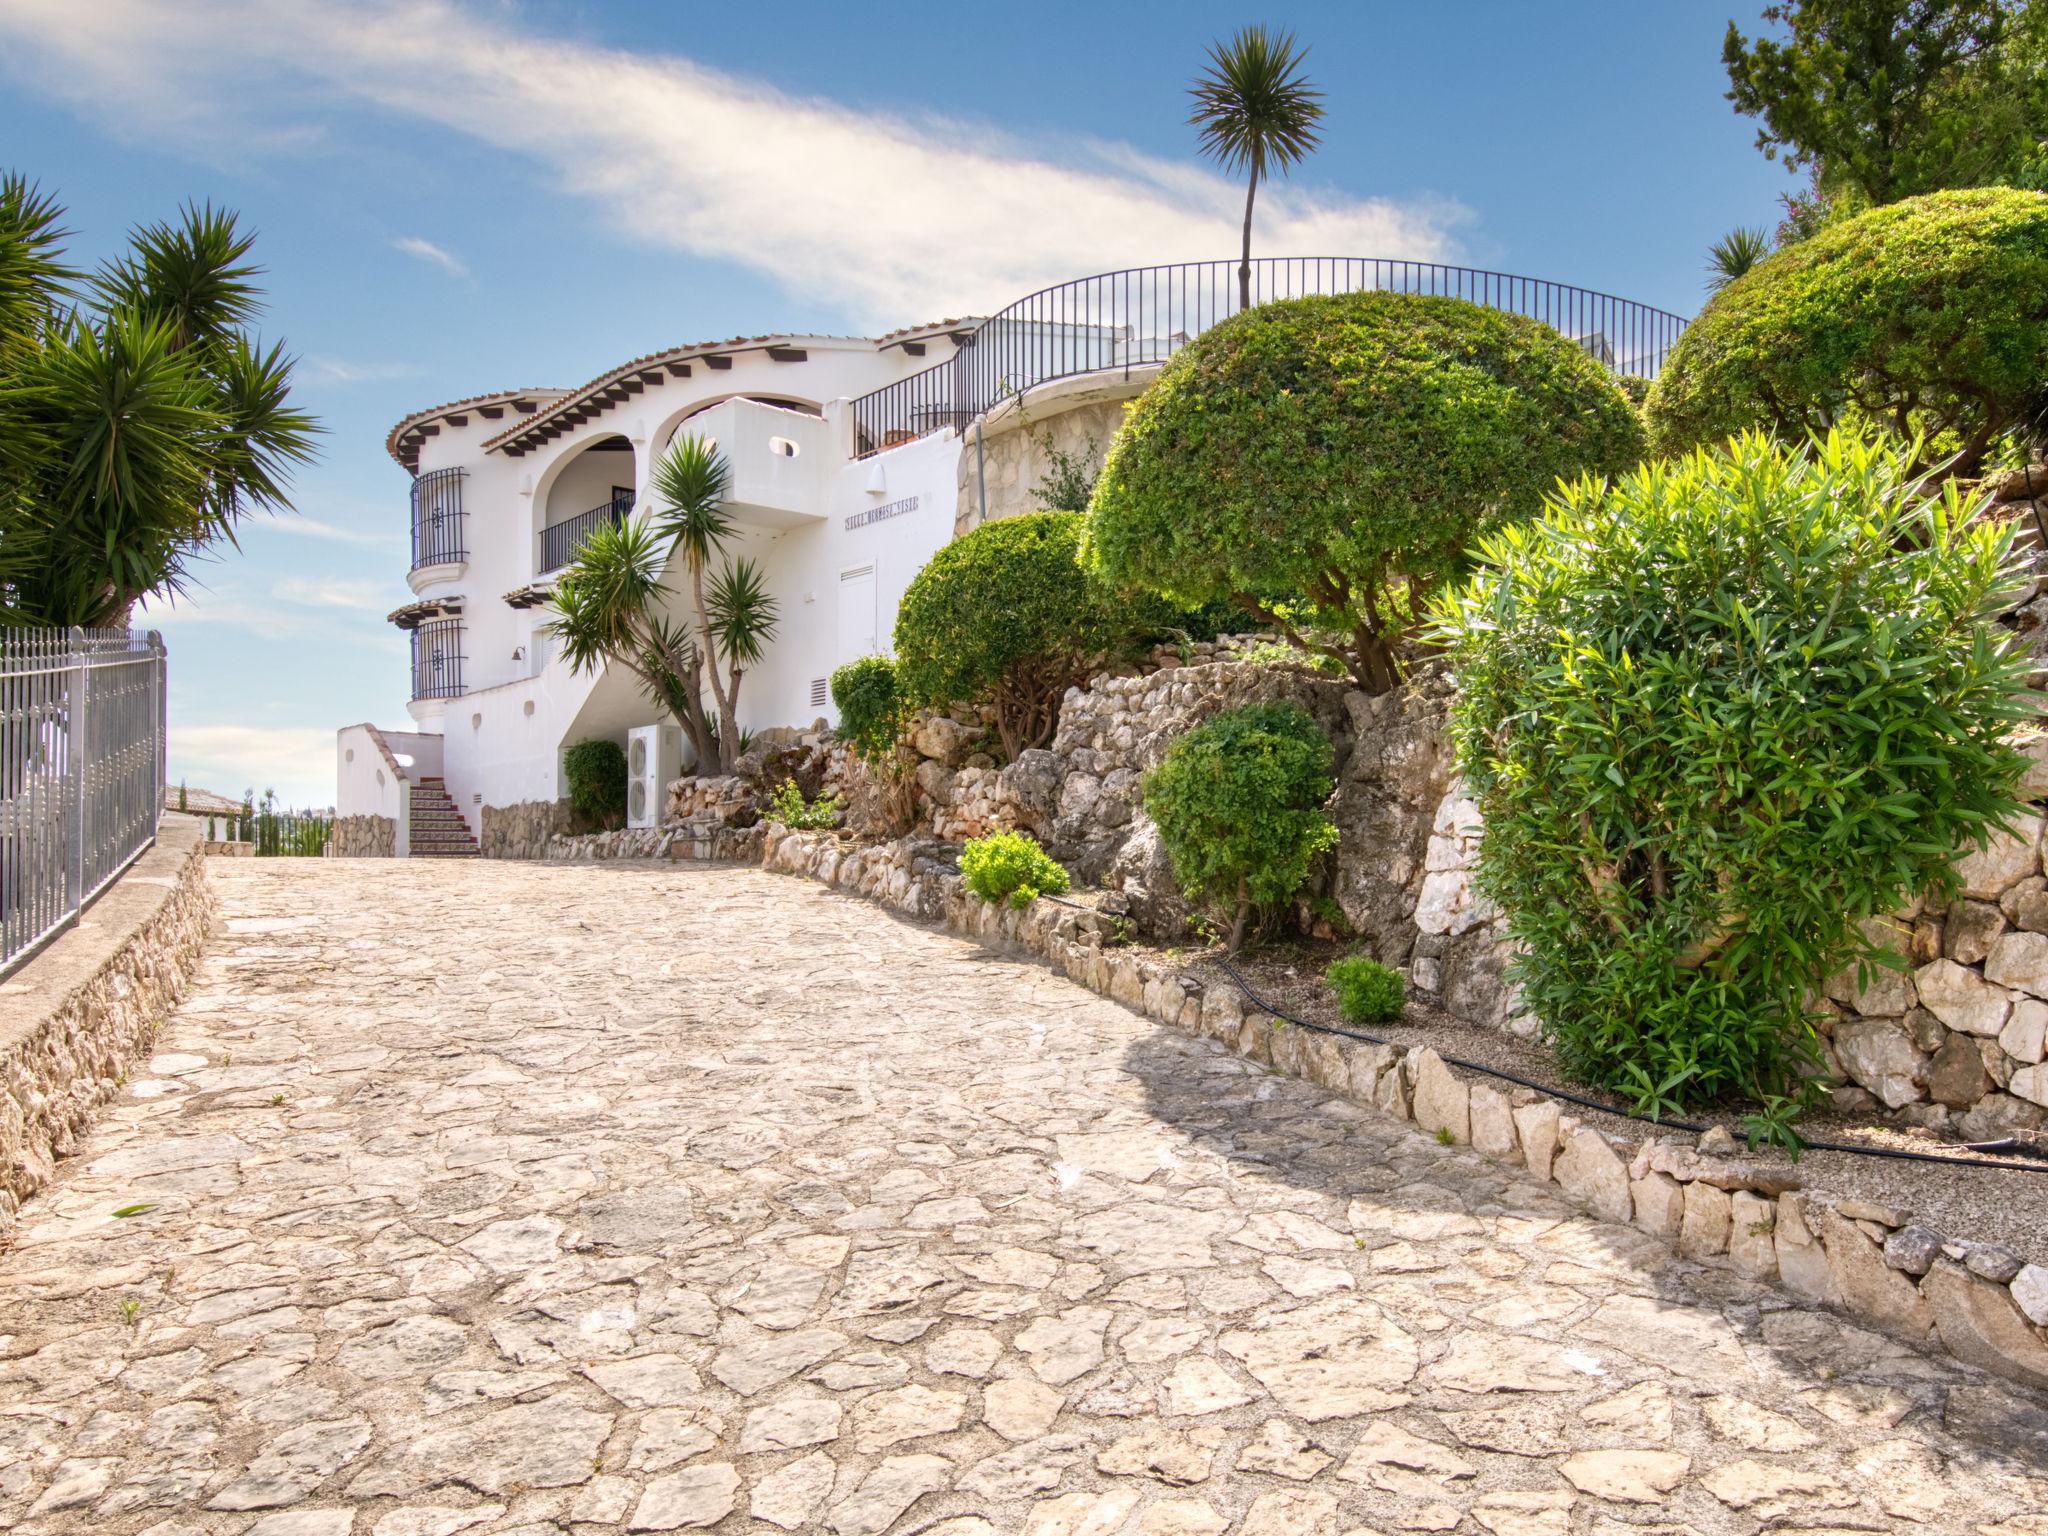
pixel 159 736
pixel 76 751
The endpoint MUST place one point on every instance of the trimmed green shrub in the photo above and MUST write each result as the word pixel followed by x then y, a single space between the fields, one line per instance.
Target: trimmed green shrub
pixel 1346 450
pixel 1715 716
pixel 1928 316
pixel 870 707
pixel 1010 866
pixel 595 772
pixel 1005 616
pixel 789 807
pixel 1367 992
pixel 1239 805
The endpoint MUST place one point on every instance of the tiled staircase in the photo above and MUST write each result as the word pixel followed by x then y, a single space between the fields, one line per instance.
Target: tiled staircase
pixel 437 828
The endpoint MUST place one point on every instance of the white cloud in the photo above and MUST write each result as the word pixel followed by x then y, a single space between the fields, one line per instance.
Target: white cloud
pixel 896 218
pixel 314 528
pixel 296 761
pixel 335 370
pixel 330 593
pixel 427 251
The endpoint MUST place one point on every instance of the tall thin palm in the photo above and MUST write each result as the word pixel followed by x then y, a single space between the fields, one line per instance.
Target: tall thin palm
pixel 1257 113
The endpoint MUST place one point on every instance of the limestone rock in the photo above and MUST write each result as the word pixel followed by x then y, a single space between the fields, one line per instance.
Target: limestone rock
pixel 1878 1054
pixel 1980 1324
pixel 1627 1477
pixel 1443 1104
pixel 1536 1127
pixel 2005 860
pixel 1868 1286
pixel 688 1500
pixel 1961 998
pixel 1590 1171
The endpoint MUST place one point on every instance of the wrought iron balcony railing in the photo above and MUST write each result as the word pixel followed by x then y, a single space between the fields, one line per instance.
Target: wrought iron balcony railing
pixel 437 660
pixel 1135 318
pixel 560 543
pixel 438 528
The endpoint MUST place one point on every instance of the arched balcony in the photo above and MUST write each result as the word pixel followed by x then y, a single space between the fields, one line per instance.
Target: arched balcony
pixel 595 488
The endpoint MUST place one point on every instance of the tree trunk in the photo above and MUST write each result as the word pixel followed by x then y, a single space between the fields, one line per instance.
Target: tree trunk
pixel 1244 270
pixel 728 711
pixel 1238 921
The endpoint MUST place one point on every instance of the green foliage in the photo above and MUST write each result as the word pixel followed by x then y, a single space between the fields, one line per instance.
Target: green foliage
pixel 1010 866
pixel 789 807
pixel 1734 255
pixel 1347 449
pixel 1005 616
pixel 1926 316
pixel 1367 992
pixel 1887 99
pixel 140 419
pixel 1239 805
pixel 870 707
pixel 595 771
pixel 1715 716
pixel 1069 479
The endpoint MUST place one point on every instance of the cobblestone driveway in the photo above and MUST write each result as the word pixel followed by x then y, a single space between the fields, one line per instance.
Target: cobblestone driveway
pixel 487 1198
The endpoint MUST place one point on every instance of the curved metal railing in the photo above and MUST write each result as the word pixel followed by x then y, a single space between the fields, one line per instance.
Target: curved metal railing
pixel 1142 316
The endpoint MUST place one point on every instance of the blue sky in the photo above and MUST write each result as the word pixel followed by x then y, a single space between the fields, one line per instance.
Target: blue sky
pixel 457 197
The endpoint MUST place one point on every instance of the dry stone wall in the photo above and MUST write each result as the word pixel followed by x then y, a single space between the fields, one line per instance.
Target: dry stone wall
pixel 364 837
pixel 524 830
pixel 64 1056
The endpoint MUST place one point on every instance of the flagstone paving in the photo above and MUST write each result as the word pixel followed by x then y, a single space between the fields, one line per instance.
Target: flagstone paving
pixel 473 1198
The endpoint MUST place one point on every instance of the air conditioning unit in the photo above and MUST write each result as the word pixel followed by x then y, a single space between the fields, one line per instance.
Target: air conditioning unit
pixel 654 760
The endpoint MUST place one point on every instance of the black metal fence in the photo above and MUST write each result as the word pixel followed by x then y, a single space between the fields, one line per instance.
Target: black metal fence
pixel 437 660
pixel 560 543
pixel 1136 318
pixel 81 771
pixel 274 834
pixel 439 534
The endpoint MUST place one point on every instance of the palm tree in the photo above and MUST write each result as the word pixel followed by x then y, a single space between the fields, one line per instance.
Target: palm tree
pixel 608 608
pixel 736 618
pixel 139 420
pixel 1734 254
pixel 1256 112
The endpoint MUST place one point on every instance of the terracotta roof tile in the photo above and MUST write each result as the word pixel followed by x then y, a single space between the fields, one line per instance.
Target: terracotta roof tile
pixel 419 418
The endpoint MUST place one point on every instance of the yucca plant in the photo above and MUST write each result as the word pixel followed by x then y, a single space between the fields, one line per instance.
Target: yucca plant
pixel 139 420
pixel 1733 255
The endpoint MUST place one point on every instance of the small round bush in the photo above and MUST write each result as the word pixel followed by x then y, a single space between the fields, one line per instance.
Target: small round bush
pixel 1010 866
pixel 595 771
pixel 1928 316
pixel 1344 451
pixel 1367 992
pixel 1239 805
pixel 1716 715
pixel 870 706
pixel 1005 616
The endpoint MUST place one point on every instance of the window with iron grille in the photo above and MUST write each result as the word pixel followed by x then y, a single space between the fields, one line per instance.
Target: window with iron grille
pixel 437 660
pixel 437 522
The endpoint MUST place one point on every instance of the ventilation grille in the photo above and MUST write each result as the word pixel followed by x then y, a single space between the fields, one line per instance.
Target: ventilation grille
pixel 818 692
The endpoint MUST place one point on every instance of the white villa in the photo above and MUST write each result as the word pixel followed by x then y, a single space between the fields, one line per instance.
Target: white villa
pixel 853 459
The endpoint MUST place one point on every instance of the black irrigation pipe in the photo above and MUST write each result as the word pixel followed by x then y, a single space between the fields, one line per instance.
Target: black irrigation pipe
pixel 2009 1145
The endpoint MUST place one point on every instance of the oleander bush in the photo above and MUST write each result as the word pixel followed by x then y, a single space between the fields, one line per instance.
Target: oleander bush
pixel 595 772
pixel 1010 866
pixel 1239 805
pixel 1005 616
pixel 1324 462
pixel 1367 992
pixel 1715 715
pixel 1928 317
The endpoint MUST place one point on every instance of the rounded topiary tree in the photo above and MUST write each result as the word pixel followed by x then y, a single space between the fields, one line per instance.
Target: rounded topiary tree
pixel 1715 715
pixel 1926 317
pixel 1004 616
pixel 1239 805
pixel 1347 450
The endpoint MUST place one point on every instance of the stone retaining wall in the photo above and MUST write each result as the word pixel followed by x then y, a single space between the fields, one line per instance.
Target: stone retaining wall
pixel 364 837
pixel 524 830
pixel 77 1016
pixel 1983 1304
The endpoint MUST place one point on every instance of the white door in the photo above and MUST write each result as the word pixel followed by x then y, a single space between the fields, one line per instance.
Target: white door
pixel 858 618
